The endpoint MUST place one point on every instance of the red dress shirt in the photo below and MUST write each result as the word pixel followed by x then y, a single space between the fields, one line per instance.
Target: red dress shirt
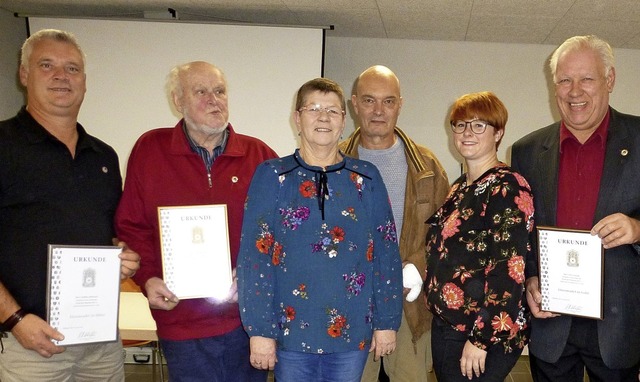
pixel 579 177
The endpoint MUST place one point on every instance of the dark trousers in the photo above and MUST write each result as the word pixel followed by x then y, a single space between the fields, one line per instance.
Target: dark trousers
pixel 214 359
pixel 582 351
pixel 446 347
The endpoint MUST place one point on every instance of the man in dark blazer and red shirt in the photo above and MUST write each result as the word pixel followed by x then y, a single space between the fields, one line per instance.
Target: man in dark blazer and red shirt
pixel 585 174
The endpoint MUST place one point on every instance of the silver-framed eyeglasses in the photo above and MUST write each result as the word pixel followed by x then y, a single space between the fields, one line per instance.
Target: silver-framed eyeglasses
pixel 477 126
pixel 316 110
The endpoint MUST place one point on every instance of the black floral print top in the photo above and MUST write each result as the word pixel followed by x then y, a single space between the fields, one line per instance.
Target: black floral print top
pixel 476 250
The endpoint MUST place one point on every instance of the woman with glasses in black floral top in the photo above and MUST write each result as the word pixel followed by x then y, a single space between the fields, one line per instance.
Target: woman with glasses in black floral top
pixel 476 251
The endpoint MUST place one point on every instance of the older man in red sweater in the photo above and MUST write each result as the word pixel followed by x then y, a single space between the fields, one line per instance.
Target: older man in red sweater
pixel 200 161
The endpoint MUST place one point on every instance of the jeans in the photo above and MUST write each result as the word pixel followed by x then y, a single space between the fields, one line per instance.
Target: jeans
pixel 446 346
pixel 214 359
pixel 295 366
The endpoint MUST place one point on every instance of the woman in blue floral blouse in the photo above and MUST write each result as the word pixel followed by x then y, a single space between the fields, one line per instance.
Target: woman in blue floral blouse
pixel 476 249
pixel 320 277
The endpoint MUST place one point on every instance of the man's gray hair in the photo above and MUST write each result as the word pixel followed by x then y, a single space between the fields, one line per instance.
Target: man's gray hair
pixel 47 34
pixel 592 42
pixel 174 79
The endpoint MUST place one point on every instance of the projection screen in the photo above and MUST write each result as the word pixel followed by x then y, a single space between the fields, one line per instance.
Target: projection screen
pixel 128 63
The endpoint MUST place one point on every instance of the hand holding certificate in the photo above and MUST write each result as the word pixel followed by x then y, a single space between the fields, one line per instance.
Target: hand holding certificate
pixel 83 292
pixel 571 272
pixel 196 260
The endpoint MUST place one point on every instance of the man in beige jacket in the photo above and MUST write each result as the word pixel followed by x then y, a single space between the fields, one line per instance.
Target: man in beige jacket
pixel 417 185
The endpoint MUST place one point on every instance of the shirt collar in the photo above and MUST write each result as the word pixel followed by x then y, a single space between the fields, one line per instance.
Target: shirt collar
pixel 37 133
pixel 196 148
pixel 600 134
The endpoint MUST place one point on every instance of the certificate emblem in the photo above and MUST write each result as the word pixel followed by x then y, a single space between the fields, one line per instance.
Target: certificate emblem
pixel 89 278
pixel 197 235
pixel 572 258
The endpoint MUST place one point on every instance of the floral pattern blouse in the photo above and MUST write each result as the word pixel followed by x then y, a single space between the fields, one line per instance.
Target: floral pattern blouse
pixel 319 267
pixel 476 250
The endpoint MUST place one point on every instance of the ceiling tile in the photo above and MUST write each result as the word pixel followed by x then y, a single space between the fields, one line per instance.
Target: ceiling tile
pixel 446 7
pixel 613 31
pixel 340 5
pixel 526 8
pixel 510 29
pixel 353 4
pixel 427 27
pixel 605 11
pixel 357 23
pixel 509 21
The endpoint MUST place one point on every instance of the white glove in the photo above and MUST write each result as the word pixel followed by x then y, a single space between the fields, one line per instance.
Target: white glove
pixel 411 279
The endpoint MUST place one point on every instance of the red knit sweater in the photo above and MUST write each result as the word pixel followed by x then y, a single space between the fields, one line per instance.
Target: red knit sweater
pixel 164 171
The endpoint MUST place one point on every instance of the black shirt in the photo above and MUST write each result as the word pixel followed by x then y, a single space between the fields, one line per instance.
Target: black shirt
pixel 49 197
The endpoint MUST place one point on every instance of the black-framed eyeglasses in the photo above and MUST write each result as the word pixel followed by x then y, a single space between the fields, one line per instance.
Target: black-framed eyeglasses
pixel 315 110
pixel 477 126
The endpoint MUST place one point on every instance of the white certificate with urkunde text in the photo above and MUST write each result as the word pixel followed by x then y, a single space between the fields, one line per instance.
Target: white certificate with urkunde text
pixel 196 258
pixel 571 265
pixel 83 292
